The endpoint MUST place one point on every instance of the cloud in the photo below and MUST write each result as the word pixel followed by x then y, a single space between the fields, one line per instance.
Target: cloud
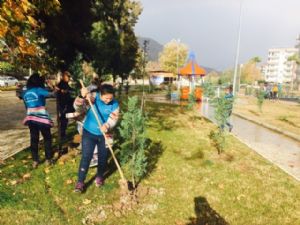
pixel 209 27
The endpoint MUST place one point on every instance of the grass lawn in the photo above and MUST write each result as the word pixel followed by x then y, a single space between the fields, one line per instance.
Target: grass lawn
pixel 284 115
pixel 189 183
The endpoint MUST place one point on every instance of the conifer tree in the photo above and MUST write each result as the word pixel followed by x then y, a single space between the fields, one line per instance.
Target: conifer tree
pixel 132 132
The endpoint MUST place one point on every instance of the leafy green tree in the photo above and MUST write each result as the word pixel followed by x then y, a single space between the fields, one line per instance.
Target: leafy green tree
pixel 133 134
pixel 6 67
pixel 66 32
pixel 138 70
pixel 212 77
pixel 168 57
pixel 250 72
pixel 105 40
pixel 116 44
pixel 226 77
pixel 256 59
pixel 295 58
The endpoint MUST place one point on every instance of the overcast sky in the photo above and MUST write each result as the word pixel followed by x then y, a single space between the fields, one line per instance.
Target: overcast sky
pixel 210 27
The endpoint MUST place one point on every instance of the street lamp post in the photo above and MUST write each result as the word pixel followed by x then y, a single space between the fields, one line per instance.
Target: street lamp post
pixel 177 62
pixel 238 49
pixel 240 77
pixel 146 42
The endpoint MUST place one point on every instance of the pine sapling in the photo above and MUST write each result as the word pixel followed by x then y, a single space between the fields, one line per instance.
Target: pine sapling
pixel 132 132
pixel 223 107
pixel 191 105
pixel 260 99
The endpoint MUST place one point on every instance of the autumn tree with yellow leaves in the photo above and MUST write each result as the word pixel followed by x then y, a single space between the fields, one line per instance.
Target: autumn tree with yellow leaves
pixel 19 42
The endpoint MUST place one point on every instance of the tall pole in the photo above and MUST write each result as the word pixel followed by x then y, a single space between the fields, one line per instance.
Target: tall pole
pixel 146 42
pixel 238 49
pixel 240 76
pixel 177 65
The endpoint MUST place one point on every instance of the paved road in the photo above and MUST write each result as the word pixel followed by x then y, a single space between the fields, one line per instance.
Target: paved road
pixel 14 136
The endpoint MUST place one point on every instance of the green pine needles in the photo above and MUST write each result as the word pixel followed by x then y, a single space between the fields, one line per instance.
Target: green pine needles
pixel 223 108
pixel 133 136
pixel 260 99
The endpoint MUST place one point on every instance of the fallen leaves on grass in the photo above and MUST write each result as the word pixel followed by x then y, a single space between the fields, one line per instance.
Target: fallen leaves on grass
pixel 13 182
pixel 87 201
pixel 69 181
pixel 26 176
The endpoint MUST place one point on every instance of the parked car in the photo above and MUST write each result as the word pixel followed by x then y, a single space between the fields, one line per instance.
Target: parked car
pixel 6 81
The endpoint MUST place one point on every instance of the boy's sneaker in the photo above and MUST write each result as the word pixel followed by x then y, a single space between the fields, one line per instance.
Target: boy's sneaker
pixel 35 164
pixel 99 181
pixel 79 187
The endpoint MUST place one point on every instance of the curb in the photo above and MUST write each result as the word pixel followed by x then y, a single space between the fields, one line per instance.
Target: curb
pixel 270 127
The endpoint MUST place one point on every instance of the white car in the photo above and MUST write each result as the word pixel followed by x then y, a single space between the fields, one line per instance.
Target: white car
pixel 6 81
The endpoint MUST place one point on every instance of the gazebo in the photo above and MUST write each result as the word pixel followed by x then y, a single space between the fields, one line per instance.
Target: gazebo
pixel 190 78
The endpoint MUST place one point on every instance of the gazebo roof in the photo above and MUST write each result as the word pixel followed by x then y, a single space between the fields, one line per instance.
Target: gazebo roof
pixel 192 68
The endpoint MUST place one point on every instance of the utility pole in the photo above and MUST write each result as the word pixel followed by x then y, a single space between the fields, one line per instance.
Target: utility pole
pixel 238 49
pixel 177 63
pixel 145 44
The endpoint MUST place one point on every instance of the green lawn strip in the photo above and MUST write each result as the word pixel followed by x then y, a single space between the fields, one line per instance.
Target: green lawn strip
pixel 29 200
pixel 190 181
pixel 239 186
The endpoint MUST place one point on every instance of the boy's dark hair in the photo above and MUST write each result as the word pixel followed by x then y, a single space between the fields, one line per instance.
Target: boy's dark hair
pixel 230 88
pixel 35 80
pixel 107 89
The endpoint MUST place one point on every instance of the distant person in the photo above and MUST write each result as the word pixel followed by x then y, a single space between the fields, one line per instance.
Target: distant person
pixel 38 119
pixel 275 91
pixel 229 98
pixel 269 91
pixel 279 90
pixel 64 101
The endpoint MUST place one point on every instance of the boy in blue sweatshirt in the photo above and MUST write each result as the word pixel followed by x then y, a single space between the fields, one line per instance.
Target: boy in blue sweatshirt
pixel 107 109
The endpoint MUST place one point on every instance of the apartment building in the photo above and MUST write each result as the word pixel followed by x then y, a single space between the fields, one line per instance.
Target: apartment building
pixel 278 68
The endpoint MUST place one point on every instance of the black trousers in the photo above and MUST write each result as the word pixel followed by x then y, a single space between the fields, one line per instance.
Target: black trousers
pixel 35 130
pixel 63 123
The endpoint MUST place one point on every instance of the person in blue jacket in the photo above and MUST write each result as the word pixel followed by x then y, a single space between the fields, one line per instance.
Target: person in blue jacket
pixel 37 117
pixel 107 109
pixel 229 98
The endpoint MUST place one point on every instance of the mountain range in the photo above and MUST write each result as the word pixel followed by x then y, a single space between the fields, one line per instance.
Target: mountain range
pixel 153 48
